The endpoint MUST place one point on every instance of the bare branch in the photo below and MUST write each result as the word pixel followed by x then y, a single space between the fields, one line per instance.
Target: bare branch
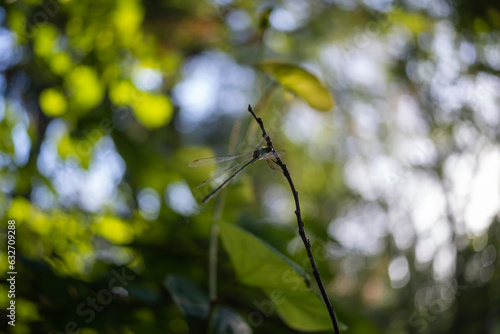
pixel 300 222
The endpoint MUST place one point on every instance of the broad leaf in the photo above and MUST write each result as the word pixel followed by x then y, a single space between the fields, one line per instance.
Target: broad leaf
pixel 225 320
pixel 301 310
pixel 258 264
pixel 301 82
pixel 191 300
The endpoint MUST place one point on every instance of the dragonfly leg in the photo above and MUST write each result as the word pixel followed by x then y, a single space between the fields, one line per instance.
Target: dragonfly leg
pixel 270 163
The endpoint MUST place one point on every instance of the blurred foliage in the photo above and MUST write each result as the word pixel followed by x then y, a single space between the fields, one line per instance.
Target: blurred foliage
pixel 104 103
pixel 303 83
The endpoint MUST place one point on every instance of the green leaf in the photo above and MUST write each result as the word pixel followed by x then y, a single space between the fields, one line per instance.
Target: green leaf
pixel 300 310
pixel 85 85
pixel 52 102
pixel 153 111
pixel 301 82
pixel 191 300
pixel 225 320
pixel 258 264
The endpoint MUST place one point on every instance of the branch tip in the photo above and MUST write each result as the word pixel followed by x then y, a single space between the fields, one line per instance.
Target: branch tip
pixel 300 223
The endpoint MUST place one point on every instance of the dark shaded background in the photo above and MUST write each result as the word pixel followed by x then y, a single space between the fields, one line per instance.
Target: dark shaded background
pixel 104 103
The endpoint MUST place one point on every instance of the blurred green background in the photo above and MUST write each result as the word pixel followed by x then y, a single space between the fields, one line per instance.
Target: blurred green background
pixel 103 104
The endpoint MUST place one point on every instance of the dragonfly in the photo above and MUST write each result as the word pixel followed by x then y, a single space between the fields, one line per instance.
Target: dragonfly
pixel 266 153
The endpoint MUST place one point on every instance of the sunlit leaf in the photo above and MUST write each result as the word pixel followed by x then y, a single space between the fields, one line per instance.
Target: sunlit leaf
pixel 413 21
pixel 258 264
pixel 301 82
pixel 225 320
pixel 52 102
pixel 85 86
pixel 20 209
pixel 128 16
pixel 122 93
pixel 45 40
pixel 60 63
pixel 41 223
pixel 114 229
pixel 153 111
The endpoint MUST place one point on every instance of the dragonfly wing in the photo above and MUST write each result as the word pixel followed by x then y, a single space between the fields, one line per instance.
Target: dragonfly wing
pixel 222 173
pixel 261 142
pixel 270 155
pixel 216 160
pixel 209 196
pixel 280 153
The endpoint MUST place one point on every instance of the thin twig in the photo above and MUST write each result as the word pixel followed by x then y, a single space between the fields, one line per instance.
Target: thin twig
pixel 300 222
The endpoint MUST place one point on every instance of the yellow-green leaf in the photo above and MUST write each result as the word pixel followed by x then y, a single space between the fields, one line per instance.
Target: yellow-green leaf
pixel 258 264
pixel 60 63
pixel 301 82
pixel 128 16
pixel 86 87
pixel 153 111
pixel 123 93
pixel 45 40
pixel 52 102
pixel 300 310
pixel 114 229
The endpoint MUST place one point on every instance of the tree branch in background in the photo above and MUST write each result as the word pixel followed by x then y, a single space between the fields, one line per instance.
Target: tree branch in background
pixel 300 222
